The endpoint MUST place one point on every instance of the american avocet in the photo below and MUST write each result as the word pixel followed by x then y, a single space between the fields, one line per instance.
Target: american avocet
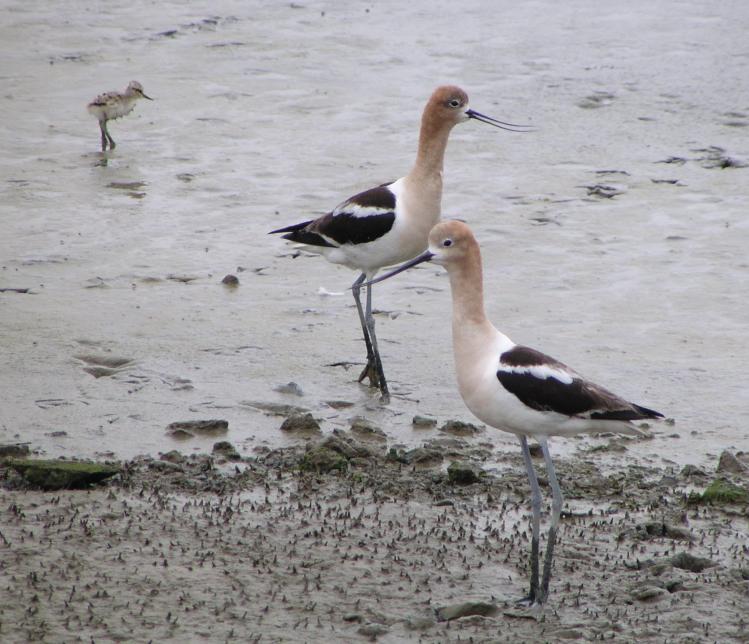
pixel 389 224
pixel 515 388
pixel 113 105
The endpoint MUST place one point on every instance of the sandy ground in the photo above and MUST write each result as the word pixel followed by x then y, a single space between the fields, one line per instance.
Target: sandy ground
pixel 261 550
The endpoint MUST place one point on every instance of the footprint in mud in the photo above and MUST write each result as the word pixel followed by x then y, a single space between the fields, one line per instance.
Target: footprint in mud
pixel 133 189
pixel 100 366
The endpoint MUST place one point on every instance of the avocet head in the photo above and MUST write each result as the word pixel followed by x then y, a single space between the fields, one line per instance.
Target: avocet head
pixel 134 87
pixel 449 104
pixel 450 242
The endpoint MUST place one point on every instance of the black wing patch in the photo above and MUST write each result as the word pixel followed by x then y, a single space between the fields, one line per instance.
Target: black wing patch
pixel 349 222
pixel 545 384
pixel 301 234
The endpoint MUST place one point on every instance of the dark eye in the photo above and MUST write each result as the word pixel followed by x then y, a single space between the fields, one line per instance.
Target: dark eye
pixel 454 103
pixel 447 242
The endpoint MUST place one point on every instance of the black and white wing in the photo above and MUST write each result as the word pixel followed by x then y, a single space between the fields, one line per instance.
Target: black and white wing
pixel 545 384
pixel 360 219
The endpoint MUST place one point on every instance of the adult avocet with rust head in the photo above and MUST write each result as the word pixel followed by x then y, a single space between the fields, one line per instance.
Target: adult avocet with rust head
pixel 389 224
pixel 112 105
pixel 515 388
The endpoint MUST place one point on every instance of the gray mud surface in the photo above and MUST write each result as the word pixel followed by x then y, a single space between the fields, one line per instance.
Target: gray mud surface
pixel 275 549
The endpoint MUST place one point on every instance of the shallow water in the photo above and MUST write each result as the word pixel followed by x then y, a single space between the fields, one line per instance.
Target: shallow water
pixel 268 114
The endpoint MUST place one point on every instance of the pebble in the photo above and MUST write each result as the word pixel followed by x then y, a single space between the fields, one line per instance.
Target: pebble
pixel 198 427
pixel 649 593
pixel 459 428
pixel 301 424
pixel 423 422
pixel 730 464
pixel 454 611
pixel 463 473
pixel 289 388
pixel 226 450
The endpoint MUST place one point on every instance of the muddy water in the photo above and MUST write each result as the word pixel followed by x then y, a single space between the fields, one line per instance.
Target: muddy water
pixel 613 236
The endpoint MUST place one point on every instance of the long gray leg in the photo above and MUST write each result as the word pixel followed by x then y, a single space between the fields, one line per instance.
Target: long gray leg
pixel 104 140
pixel 112 144
pixel 376 353
pixel 556 511
pixel 356 290
pixel 535 519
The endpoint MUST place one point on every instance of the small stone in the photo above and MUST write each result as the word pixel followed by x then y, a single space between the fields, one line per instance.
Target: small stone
pixel 227 450
pixel 339 404
pixel 342 444
pixel 165 466
pixel 422 456
pixel 463 473
pixel 173 456
pixel 455 611
pixel 301 424
pixel 373 630
pixel 729 463
pixel 14 450
pixel 58 475
pixel 289 388
pixel 197 427
pixel 322 459
pixel 367 430
pixel 649 593
pixel 459 428
pixel 692 470
pixel 230 280
pixel 686 561
pixel 423 422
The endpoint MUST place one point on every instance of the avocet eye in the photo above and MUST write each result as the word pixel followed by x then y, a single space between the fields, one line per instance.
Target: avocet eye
pixel 454 103
pixel 447 243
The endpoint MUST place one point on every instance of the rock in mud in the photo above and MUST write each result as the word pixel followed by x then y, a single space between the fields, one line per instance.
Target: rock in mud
pixel 463 473
pixel 459 428
pixel 689 471
pixel 226 450
pixel 373 630
pixel 61 475
pixel 420 455
pixel 14 450
pixel 173 456
pixel 322 460
pixel 659 529
pixel 190 428
pixel 344 445
pixel 289 388
pixel 303 424
pixel 686 561
pixel 232 281
pixel 728 463
pixel 367 430
pixel 423 422
pixel 455 611
pixel 649 593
